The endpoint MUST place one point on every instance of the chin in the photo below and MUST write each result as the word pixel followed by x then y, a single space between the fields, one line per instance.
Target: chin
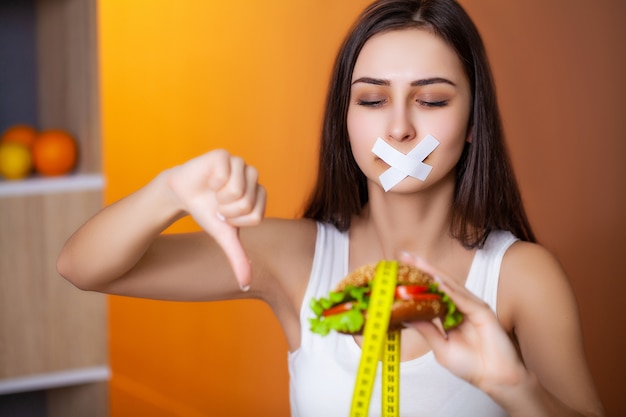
pixel 406 186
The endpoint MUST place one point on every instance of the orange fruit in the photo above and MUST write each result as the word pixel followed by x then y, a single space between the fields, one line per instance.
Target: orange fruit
pixel 15 160
pixel 21 133
pixel 55 152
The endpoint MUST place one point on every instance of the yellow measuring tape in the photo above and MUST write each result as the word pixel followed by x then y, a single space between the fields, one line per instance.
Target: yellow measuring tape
pixel 391 375
pixel 377 344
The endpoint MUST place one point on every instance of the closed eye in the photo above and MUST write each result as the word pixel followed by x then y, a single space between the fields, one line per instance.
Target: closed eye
pixel 371 103
pixel 440 103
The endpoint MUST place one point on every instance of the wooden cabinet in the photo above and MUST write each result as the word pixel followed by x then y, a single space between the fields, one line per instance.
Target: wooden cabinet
pixel 53 337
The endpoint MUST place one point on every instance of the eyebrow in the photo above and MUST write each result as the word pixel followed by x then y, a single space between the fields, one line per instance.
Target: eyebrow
pixel 416 83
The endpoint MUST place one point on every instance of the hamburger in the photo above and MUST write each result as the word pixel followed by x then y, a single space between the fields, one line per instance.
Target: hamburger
pixel 417 298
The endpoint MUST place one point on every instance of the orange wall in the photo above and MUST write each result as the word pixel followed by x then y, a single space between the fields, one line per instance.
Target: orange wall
pixel 180 78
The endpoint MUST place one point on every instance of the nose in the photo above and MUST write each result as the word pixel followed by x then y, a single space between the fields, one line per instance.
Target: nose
pixel 401 127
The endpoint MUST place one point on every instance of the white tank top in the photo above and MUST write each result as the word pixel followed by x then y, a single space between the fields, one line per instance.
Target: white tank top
pixel 323 370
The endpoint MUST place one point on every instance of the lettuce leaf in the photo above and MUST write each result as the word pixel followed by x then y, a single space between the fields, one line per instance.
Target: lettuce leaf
pixel 350 321
pixel 453 317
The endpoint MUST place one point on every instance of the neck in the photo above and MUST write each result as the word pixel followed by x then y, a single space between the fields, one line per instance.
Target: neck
pixel 391 223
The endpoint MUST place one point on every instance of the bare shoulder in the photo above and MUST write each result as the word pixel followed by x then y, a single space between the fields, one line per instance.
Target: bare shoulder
pixel 537 306
pixel 531 278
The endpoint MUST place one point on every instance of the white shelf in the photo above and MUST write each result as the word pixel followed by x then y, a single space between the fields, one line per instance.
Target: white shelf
pixel 51 185
pixel 55 380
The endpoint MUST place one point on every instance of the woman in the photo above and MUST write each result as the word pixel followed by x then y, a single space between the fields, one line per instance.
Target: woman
pixel 411 79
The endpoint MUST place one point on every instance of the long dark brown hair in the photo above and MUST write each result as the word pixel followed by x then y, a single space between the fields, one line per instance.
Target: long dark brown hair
pixel 486 194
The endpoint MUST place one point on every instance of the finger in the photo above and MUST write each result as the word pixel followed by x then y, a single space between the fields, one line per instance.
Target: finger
pixel 422 264
pixel 252 217
pixel 235 187
pixel 218 170
pixel 464 299
pixel 242 199
pixel 445 283
pixel 227 237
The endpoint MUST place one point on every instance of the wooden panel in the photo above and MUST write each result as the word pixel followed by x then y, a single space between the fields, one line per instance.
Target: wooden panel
pixel 45 323
pixel 68 73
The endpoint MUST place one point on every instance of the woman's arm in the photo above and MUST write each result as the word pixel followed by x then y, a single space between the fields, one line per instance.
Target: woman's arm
pixel 551 378
pixel 539 305
pixel 121 249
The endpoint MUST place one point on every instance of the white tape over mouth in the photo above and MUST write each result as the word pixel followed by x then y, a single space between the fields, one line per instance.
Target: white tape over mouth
pixel 401 165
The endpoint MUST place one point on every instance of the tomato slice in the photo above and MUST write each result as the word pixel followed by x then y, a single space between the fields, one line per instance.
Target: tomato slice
pixel 339 308
pixel 411 292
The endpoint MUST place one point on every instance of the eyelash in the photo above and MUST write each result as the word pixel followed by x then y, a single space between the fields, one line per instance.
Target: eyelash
pixel 374 103
pixel 440 103
pixel 378 103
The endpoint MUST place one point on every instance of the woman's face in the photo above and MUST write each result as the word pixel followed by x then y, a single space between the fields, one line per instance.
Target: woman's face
pixel 406 85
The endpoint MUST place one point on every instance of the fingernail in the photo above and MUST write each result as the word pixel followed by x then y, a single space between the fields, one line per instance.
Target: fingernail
pixel 412 257
pixel 245 288
pixel 408 255
pixel 220 216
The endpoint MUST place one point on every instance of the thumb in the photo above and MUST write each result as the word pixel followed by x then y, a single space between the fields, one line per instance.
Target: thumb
pixel 227 237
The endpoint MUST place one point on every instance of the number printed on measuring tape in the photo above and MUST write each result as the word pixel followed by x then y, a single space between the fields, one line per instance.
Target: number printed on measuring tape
pixel 391 375
pixel 374 336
